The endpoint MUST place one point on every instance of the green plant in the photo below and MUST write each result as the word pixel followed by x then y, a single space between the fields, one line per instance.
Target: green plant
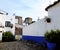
pixel 7 36
pixel 53 36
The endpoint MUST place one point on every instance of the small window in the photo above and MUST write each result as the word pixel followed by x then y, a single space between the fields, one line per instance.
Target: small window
pixel 7 24
pixel 48 20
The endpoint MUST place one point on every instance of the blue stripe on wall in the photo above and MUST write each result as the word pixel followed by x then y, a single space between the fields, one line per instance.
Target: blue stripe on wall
pixel 38 39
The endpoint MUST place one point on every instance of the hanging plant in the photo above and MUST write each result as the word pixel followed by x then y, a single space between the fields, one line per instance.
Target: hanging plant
pixel 48 20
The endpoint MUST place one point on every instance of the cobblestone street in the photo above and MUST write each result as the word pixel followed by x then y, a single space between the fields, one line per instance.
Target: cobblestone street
pixel 19 45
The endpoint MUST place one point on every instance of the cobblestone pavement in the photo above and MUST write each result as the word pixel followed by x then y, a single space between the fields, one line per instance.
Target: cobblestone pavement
pixel 19 45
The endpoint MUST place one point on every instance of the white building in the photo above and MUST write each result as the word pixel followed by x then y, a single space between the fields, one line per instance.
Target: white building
pixel 7 23
pixel 54 14
pixel 37 30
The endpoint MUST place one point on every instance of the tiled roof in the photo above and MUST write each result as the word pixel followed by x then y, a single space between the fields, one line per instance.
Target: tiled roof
pixel 52 5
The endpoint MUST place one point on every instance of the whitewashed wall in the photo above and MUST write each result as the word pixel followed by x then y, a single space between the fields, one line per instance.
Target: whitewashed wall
pixel 40 27
pixel 36 29
pixel 1 36
pixel 54 14
pixel 4 18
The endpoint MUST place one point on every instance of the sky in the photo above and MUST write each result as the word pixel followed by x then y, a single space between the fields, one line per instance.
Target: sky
pixel 26 8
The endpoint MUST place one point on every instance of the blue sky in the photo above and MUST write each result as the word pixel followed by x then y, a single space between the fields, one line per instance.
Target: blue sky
pixel 25 8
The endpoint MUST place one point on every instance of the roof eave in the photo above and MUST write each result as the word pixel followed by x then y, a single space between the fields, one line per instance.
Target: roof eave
pixel 52 5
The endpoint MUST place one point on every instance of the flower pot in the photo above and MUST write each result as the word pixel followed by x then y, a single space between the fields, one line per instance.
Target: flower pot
pixel 51 46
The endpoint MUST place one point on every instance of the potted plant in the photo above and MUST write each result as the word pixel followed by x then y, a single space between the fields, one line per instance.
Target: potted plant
pixel 7 36
pixel 53 39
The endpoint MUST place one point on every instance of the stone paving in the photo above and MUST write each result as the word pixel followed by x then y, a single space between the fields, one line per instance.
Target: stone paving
pixel 19 45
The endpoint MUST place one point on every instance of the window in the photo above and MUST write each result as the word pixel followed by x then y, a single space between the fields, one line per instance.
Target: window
pixel 7 23
pixel 48 20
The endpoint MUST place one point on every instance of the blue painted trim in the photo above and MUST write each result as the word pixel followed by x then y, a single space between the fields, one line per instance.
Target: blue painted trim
pixel 38 39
